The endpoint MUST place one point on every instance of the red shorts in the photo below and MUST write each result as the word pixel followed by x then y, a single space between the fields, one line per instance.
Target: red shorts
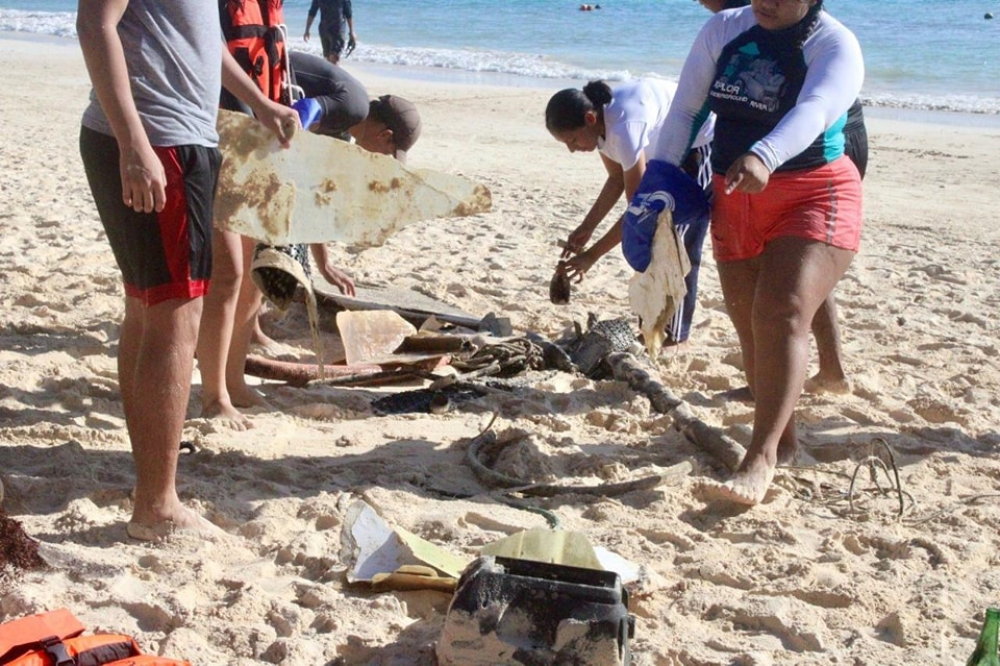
pixel 161 255
pixel 822 204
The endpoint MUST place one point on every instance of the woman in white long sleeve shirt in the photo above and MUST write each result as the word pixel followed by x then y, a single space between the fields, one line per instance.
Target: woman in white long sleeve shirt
pixel 624 125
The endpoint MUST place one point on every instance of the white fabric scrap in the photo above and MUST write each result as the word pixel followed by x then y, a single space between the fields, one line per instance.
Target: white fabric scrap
pixel 656 294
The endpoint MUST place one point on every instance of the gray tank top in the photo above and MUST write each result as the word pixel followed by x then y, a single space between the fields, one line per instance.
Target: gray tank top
pixel 173 51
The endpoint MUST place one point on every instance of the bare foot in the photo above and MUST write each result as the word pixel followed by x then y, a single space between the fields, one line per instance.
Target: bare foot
pixel 277 351
pixel 247 397
pixel 821 383
pixel 224 412
pixel 183 522
pixel 748 486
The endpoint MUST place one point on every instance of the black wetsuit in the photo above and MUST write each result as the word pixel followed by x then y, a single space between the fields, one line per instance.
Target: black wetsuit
pixel 343 98
pixel 345 104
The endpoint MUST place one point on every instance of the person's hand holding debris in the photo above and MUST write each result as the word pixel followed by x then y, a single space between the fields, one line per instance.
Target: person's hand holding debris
pixel 576 267
pixel 310 111
pixel 576 241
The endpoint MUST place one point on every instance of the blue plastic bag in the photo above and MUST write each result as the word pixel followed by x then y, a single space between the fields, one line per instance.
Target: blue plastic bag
pixel 663 186
pixel 310 111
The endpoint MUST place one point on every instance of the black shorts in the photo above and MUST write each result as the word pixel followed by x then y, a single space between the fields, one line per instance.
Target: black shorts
pixel 856 146
pixel 332 39
pixel 161 255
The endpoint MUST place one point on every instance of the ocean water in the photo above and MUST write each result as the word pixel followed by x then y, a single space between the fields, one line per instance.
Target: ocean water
pixel 927 55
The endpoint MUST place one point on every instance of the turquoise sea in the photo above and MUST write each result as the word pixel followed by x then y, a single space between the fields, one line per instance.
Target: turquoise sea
pixel 920 55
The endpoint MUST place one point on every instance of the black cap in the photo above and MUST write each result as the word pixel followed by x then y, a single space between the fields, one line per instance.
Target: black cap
pixel 400 116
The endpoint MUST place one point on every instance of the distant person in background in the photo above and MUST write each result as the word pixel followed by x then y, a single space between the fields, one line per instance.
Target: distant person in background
pixel 334 14
pixel 624 126
pixel 831 376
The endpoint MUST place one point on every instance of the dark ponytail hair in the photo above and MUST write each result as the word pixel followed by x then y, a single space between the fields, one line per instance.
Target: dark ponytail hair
pixel 800 31
pixel 567 108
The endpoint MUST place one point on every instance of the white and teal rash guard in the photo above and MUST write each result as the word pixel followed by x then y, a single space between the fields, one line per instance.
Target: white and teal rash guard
pixel 774 94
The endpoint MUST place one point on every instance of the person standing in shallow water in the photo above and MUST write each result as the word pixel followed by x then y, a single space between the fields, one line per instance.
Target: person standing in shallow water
pixel 334 16
pixel 780 76
pixel 831 376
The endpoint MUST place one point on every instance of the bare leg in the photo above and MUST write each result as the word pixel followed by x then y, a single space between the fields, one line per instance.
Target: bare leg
pixel 155 361
pixel 794 277
pixel 247 306
pixel 217 319
pixel 259 337
pixel 128 351
pixel 739 282
pixel 831 376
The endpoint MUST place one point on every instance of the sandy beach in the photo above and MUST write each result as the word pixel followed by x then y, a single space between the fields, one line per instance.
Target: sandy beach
pixel 814 575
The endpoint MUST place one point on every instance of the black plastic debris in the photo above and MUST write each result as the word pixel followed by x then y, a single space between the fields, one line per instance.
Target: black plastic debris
pixel 525 613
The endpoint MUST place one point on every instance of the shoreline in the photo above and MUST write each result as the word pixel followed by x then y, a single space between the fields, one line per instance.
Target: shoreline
pixel 469 78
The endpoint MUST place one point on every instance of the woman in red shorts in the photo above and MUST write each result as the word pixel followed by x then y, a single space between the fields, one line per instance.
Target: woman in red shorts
pixel 780 76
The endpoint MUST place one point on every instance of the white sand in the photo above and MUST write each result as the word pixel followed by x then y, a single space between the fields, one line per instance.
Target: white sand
pixel 796 580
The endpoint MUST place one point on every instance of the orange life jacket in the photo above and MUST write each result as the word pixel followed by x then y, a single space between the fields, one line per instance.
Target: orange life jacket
pixel 54 639
pixel 254 33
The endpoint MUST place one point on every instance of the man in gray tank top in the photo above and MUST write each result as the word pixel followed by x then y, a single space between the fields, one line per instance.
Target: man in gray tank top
pixel 149 147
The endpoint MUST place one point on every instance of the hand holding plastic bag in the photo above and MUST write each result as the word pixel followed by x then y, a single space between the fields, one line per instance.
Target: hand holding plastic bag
pixel 310 111
pixel 664 186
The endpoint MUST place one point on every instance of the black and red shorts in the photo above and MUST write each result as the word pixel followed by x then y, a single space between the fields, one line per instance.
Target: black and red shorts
pixel 161 255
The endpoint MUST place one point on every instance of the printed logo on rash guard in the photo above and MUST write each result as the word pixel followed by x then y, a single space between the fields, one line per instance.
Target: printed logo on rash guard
pixel 750 79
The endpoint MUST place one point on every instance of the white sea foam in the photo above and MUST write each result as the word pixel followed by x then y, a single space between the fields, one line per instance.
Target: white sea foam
pixel 960 103
pixel 59 24
pixel 537 66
